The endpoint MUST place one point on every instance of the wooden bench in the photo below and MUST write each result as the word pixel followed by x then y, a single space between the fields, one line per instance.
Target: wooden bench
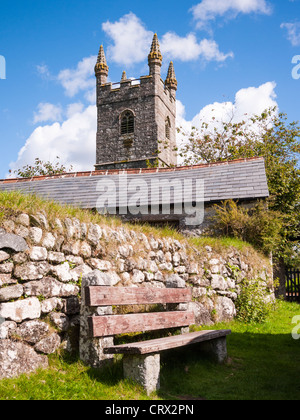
pixel 141 361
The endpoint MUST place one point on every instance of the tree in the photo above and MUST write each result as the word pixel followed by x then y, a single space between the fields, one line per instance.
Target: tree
pixel 268 135
pixel 42 169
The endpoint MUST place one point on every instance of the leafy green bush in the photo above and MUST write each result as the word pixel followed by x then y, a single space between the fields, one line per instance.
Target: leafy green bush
pixel 252 304
pixel 258 226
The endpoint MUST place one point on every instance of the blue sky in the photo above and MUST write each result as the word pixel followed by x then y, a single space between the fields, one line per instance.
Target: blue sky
pixel 229 55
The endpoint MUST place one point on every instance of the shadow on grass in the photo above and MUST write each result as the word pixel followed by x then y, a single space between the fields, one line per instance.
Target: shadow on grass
pixel 259 366
pixel 110 374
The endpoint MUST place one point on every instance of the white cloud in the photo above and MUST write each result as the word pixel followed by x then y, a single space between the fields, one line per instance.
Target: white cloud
pixel 73 141
pixel 131 40
pixel 90 96
pixel 188 48
pixel 249 101
pixel 43 71
pixel 74 109
pixel 293 32
pixel 47 112
pixel 74 81
pixel 208 10
pixel 80 79
pixel 254 100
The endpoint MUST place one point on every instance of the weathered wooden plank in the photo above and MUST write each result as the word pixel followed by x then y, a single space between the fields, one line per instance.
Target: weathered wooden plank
pixel 166 343
pixel 101 326
pixel 103 296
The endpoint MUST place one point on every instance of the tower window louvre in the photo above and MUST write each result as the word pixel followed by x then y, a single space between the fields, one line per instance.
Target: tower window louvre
pixel 168 128
pixel 127 123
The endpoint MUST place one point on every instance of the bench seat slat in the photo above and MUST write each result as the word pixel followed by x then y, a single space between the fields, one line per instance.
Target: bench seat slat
pixel 101 326
pixel 105 296
pixel 166 343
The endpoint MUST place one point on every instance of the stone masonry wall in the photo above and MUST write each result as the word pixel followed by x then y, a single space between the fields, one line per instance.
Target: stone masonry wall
pixel 42 264
pixel 151 103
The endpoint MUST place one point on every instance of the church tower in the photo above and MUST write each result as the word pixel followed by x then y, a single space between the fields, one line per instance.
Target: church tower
pixel 136 118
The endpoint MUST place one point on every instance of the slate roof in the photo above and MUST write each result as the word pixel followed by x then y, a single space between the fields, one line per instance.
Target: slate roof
pixel 243 179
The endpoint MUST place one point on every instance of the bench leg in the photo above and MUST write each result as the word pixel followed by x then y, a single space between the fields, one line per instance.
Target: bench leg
pixel 216 348
pixel 144 369
pixel 90 348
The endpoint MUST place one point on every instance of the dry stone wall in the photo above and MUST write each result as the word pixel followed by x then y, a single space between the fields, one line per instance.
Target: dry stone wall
pixel 42 265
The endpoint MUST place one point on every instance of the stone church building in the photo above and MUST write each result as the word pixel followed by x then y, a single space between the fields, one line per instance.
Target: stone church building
pixel 136 140
pixel 136 118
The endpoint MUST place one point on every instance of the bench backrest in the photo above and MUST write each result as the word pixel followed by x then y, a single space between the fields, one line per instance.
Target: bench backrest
pixel 109 325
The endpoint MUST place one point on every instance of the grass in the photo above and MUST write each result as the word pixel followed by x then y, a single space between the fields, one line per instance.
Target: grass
pixel 69 379
pixel 221 243
pixel 258 354
pixel 263 364
pixel 15 202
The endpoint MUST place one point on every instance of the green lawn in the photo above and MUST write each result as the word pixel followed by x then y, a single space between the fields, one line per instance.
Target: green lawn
pixel 264 363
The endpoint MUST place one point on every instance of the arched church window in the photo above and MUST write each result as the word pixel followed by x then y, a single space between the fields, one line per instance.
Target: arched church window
pixel 127 123
pixel 168 128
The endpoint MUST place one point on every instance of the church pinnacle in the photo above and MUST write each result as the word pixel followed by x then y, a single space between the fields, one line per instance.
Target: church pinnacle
pixel 124 77
pixel 171 81
pixel 155 50
pixel 155 57
pixel 101 68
